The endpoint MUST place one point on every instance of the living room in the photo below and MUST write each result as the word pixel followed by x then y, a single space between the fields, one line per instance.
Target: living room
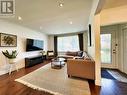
pixel 53 47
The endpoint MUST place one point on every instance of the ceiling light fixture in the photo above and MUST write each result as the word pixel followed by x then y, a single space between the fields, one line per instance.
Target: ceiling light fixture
pixel 61 4
pixel 71 22
pixel 19 18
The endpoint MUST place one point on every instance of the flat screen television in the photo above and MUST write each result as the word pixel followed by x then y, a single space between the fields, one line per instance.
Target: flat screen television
pixel 34 45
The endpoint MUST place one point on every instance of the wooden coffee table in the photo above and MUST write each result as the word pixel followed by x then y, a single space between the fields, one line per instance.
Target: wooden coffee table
pixel 57 63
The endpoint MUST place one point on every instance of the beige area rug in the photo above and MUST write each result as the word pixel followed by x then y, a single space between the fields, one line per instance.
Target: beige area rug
pixel 118 76
pixel 55 81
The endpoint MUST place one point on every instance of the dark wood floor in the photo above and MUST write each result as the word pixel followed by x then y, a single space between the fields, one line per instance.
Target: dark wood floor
pixel 9 87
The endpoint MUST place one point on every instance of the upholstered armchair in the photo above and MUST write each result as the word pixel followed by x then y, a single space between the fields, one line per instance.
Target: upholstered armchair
pixel 50 54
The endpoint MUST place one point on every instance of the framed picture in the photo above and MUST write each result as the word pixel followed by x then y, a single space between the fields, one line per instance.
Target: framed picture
pixel 90 39
pixel 8 40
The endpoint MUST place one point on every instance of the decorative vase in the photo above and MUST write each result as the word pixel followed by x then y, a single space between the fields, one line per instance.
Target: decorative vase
pixel 12 61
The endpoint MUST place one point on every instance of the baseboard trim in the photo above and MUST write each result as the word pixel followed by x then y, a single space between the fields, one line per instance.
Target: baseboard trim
pixel 98 83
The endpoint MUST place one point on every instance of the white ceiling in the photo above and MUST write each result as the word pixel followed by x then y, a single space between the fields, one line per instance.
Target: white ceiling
pixel 52 18
pixel 114 3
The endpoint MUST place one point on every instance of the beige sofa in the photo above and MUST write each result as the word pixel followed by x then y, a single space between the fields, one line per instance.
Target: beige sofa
pixel 83 68
pixel 71 55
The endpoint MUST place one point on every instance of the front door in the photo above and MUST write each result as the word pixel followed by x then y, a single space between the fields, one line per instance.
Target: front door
pixel 108 48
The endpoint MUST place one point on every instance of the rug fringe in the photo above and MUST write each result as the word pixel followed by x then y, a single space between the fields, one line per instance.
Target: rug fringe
pixel 36 87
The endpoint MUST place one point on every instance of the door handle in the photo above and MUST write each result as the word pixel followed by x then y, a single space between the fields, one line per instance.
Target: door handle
pixel 114 51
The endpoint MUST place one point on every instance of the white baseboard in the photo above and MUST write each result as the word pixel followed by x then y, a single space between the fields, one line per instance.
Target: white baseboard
pixel 4 70
pixel 97 82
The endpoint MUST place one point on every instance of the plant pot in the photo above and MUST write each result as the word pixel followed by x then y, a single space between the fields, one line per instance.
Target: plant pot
pixel 12 61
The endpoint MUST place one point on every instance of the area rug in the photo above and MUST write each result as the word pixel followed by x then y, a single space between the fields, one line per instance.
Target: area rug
pixel 55 81
pixel 106 74
pixel 113 74
pixel 118 76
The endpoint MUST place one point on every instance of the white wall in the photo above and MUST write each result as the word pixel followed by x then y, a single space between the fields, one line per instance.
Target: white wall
pixel 122 50
pixel 51 42
pixel 94 50
pixel 114 15
pixel 22 33
pixel 85 37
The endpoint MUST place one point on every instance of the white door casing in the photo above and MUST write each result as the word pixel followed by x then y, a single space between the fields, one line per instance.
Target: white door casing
pixel 124 30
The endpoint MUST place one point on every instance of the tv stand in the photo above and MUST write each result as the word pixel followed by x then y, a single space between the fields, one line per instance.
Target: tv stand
pixel 31 61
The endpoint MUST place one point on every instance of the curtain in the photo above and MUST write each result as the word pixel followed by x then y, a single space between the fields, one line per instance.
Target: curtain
pixel 80 36
pixel 55 45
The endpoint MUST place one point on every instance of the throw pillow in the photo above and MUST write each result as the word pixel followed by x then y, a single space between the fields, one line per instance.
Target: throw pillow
pixel 80 53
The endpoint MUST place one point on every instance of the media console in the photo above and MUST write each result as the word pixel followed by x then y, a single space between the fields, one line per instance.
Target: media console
pixel 31 61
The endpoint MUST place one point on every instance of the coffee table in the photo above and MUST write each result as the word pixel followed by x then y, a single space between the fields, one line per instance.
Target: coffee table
pixel 57 63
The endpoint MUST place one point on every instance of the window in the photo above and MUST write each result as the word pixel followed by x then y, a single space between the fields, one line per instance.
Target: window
pixel 68 43
pixel 106 48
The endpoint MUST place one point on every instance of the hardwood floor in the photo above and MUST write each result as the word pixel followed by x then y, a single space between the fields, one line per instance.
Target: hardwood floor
pixel 109 87
pixel 9 87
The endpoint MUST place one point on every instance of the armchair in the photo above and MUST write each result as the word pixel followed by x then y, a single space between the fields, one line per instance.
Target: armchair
pixel 50 54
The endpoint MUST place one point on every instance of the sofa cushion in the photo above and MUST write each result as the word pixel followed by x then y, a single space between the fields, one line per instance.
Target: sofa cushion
pixel 86 56
pixel 71 53
pixel 80 53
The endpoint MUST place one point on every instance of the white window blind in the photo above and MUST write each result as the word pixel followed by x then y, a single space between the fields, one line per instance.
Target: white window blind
pixel 68 43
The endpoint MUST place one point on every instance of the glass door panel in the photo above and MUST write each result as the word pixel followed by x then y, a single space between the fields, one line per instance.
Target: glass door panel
pixel 106 48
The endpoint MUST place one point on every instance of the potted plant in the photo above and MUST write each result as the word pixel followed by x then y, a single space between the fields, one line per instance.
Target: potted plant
pixel 11 56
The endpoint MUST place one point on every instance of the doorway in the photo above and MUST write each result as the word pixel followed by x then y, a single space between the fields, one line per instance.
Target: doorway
pixel 108 47
pixel 114 52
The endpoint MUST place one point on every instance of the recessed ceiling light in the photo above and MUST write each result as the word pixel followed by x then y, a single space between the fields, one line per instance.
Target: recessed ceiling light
pixel 71 22
pixel 19 18
pixel 61 4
